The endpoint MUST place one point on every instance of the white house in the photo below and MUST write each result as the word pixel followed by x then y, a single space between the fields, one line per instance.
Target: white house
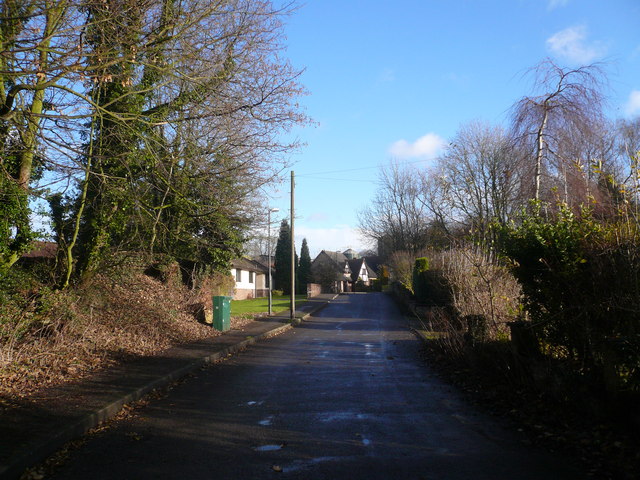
pixel 250 279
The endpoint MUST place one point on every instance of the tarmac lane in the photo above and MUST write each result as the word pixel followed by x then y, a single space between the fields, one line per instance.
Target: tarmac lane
pixel 345 395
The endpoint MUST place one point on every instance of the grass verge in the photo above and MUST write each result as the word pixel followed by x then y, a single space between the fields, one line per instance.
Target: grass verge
pixel 252 306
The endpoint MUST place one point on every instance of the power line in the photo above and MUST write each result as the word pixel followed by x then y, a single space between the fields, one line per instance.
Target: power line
pixel 357 169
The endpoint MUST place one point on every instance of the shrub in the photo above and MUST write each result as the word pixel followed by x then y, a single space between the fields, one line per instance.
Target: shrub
pixel 360 286
pixel 419 278
pixel 581 286
pixel 384 275
pixel 475 285
pixel 401 266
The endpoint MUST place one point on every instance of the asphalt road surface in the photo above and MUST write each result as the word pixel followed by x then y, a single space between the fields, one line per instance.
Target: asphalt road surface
pixel 346 395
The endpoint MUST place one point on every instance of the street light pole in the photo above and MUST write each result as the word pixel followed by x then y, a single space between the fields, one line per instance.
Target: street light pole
pixel 293 252
pixel 271 210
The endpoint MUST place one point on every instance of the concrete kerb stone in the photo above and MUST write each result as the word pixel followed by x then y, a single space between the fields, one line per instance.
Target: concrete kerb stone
pixel 38 453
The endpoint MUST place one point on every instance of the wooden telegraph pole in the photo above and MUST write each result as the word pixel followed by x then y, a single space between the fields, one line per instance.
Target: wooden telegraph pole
pixel 293 253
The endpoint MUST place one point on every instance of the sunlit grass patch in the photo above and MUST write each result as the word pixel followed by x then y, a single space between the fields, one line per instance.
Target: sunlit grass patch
pixel 261 305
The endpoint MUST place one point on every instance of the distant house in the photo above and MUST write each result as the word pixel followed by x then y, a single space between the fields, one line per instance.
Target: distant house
pixel 350 253
pixel 340 271
pixel 42 250
pixel 360 271
pixel 250 277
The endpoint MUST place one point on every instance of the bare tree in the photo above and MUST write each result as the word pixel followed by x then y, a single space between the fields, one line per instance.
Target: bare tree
pixel 568 99
pixel 396 218
pixel 478 178
pixel 627 169
pixel 585 162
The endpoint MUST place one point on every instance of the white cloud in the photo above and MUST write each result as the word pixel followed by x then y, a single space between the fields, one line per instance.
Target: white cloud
pixel 633 104
pixel 571 44
pixel 553 4
pixel 337 238
pixel 425 147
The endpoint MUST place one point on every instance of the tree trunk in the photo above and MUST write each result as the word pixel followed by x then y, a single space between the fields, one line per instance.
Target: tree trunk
pixel 540 137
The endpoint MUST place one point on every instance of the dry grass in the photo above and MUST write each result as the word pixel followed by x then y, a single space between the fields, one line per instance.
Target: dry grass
pixel 107 320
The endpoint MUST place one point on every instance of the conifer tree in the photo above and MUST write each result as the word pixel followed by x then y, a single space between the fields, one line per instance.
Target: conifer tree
pixel 304 268
pixel 282 259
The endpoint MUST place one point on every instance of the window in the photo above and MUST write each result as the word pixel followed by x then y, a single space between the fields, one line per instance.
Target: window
pixel 250 277
pixel 238 275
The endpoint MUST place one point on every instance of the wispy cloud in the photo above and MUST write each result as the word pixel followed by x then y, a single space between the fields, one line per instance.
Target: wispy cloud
pixel 425 147
pixel 571 44
pixel 633 104
pixel 553 4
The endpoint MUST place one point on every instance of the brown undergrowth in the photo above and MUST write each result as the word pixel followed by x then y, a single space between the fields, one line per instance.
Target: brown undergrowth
pixel 553 409
pixel 52 337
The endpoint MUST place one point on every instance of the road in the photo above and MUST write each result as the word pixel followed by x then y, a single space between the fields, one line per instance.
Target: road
pixel 346 395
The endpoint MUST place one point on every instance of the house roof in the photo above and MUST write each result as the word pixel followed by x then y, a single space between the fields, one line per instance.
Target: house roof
pixel 371 272
pixel 338 257
pixel 264 260
pixel 350 253
pixel 356 266
pixel 42 250
pixel 335 260
pixel 373 263
pixel 248 264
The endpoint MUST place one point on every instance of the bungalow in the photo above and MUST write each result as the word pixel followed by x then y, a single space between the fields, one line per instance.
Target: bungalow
pixel 250 277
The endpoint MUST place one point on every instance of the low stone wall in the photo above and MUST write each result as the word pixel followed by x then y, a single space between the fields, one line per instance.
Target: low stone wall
pixel 243 293
pixel 246 293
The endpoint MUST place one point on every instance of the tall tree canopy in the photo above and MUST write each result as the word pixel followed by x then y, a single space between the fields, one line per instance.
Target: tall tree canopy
pixel 151 124
pixel 566 108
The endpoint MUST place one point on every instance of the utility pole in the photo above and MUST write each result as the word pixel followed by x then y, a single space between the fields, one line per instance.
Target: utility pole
pixel 293 253
pixel 269 252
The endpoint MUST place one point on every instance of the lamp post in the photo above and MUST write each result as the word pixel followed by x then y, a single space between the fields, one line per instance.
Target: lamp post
pixel 272 210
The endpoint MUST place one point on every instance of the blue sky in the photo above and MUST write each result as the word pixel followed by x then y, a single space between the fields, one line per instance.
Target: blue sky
pixel 394 79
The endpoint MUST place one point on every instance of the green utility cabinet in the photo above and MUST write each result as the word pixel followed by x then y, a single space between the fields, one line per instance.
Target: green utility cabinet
pixel 222 313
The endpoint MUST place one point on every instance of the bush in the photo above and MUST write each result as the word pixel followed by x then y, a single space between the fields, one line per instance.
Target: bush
pixel 360 286
pixel 401 266
pixel 419 278
pixel 277 293
pixel 474 285
pixel 581 286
